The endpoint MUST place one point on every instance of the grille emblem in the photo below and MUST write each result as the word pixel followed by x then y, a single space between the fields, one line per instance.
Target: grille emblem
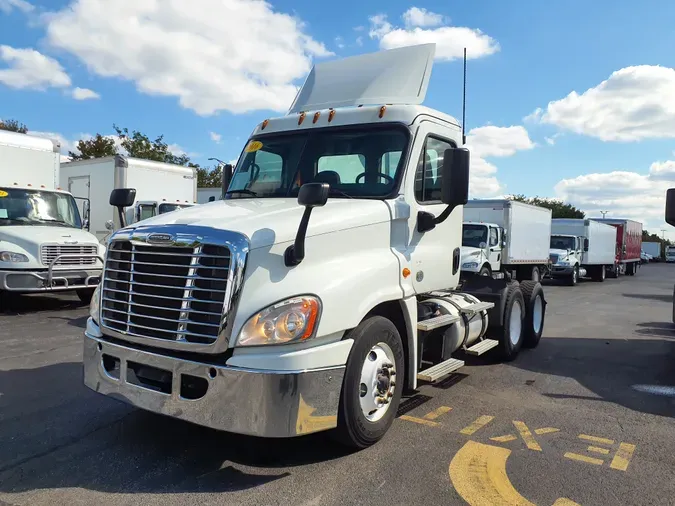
pixel 160 238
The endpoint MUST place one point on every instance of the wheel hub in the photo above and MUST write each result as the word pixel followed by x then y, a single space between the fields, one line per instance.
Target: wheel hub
pixel 377 382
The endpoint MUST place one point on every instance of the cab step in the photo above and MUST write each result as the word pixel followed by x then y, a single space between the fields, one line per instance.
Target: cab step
pixel 477 307
pixel 437 321
pixel 482 347
pixel 438 371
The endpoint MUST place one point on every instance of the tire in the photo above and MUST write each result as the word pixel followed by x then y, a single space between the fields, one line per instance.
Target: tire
pixel 85 294
pixel 485 271
pixel 630 269
pixel 535 313
pixel 573 279
pixel 673 304
pixel 510 343
pixel 536 274
pixel 354 429
pixel 599 273
pixel 614 272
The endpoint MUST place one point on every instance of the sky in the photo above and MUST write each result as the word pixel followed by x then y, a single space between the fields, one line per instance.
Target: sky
pixel 572 100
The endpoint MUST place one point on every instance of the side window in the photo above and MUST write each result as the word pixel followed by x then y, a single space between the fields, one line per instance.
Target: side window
pixel 494 240
pixel 428 173
pixel 389 163
pixel 347 167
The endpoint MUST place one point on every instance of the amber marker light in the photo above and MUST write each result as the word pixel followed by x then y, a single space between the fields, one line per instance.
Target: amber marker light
pixel 316 117
pixel 382 110
pixel 301 118
pixel 406 272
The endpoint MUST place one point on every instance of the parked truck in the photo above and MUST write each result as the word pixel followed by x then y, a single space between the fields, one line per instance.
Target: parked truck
pixel 581 247
pixel 506 237
pixel 205 195
pixel 653 249
pixel 44 242
pixel 670 254
pixel 160 188
pixel 628 245
pixel 324 284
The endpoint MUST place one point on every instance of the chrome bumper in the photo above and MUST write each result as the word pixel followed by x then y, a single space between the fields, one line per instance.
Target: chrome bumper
pixel 561 271
pixel 259 403
pixel 53 280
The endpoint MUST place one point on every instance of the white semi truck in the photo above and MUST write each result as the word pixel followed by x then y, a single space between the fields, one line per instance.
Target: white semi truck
pixel 160 188
pixel 670 254
pixel 581 247
pixel 324 284
pixel 44 242
pixel 506 237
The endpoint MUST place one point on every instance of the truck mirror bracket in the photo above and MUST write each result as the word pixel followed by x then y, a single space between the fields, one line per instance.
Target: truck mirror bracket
pixel 311 195
pixel 427 221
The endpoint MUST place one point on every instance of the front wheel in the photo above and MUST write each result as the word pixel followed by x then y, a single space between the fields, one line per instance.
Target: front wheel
pixel 574 277
pixel 85 294
pixel 485 271
pixel 373 383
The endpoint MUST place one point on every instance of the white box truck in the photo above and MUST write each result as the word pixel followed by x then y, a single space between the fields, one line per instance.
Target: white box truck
pixel 205 195
pixel 581 247
pixel 324 284
pixel 44 242
pixel 653 249
pixel 507 237
pixel 160 188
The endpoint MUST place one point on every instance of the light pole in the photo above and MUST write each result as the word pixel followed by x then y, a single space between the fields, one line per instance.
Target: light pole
pixel 218 160
pixel 603 214
pixel 663 234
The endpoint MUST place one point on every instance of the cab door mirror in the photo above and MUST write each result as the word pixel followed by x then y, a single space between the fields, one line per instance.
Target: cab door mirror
pixel 585 244
pixel 670 207
pixel 455 177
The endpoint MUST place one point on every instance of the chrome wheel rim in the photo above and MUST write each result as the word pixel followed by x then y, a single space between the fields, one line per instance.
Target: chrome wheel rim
pixel 516 323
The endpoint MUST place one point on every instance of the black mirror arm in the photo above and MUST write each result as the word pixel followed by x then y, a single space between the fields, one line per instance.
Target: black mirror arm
pixel 427 221
pixel 123 221
pixel 295 253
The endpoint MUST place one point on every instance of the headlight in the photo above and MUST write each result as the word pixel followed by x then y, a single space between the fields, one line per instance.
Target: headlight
pixel 563 263
pixel 470 265
pixel 95 304
pixel 8 256
pixel 289 321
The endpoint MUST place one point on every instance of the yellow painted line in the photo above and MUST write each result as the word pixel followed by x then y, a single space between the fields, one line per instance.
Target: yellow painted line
pixel 437 412
pixel 622 457
pixel 595 449
pixel 503 439
pixel 478 473
pixel 421 421
pixel 565 502
pixel 595 439
pixel 527 436
pixel 476 425
pixel 546 430
pixel 584 458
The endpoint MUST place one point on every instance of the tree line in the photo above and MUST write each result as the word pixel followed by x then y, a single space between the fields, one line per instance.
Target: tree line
pixel 136 145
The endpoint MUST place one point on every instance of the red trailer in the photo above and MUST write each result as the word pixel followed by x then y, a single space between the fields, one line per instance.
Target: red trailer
pixel 628 245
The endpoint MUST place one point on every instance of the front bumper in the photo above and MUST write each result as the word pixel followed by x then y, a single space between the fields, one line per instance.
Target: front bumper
pixel 49 281
pixel 557 270
pixel 254 402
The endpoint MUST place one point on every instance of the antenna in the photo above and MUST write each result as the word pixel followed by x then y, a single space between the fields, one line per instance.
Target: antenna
pixel 464 101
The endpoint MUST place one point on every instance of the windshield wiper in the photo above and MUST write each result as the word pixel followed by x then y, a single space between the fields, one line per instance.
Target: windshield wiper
pixel 53 220
pixel 242 190
pixel 339 192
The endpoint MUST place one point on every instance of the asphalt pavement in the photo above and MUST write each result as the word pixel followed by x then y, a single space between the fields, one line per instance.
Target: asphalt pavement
pixel 586 418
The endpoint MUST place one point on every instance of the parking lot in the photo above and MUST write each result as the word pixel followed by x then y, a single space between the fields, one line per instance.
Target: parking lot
pixel 579 420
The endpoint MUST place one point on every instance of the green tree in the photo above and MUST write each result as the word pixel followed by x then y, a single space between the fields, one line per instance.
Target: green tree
pixel 139 145
pixel 96 147
pixel 559 209
pixel 649 237
pixel 209 177
pixel 13 125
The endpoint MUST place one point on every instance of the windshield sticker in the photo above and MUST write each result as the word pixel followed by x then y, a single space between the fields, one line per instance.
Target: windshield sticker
pixel 253 146
pixel 3 193
pixel 3 213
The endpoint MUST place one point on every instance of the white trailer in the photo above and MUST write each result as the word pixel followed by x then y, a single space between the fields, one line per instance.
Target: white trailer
pixel 44 244
pixel 653 249
pixel 581 247
pixel 313 294
pixel 160 188
pixel 506 236
pixel 205 195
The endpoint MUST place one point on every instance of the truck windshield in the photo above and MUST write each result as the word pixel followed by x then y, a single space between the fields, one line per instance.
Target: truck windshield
pixel 356 162
pixel 473 235
pixel 562 242
pixel 38 207
pixel 167 208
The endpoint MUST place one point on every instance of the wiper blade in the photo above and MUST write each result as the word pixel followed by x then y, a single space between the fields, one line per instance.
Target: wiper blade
pixel 242 190
pixel 339 192
pixel 52 220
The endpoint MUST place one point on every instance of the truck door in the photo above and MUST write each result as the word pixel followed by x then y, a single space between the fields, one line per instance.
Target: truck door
pixel 78 187
pixel 494 248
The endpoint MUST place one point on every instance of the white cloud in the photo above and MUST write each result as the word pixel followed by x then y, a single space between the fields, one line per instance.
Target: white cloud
pixel 215 137
pixel 624 194
pixel 66 144
pixel 634 103
pixel 7 6
pixel 84 94
pixel 339 42
pixel 450 40
pixel 359 41
pixel 492 141
pixel 416 16
pixel 171 48
pixel 27 68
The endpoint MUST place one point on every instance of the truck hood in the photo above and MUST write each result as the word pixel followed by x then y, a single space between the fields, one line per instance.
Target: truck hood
pixel 562 253
pixel 27 237
pixel 467 252
pixel 269 221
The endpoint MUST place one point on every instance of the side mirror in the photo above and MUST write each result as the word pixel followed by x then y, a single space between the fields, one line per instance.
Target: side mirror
pixel 482 245
pixel 109 225
pixel 311 195
pixel 585 244
pixel 227 178
pixel 670 207
pixel 455 177
pixel 212 199
pixel 121 198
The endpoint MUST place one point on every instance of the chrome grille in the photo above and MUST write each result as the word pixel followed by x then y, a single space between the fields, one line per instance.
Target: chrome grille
pixel 554 259
pixel 175 293
pixel 49 252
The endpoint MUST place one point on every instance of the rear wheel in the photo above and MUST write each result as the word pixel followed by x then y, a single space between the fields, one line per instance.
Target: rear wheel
pixel 85 294
pixel 630 269
pixel 511 338
pixel 535 313
pixel 372 385
pixel 614 271
pixel 599 274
